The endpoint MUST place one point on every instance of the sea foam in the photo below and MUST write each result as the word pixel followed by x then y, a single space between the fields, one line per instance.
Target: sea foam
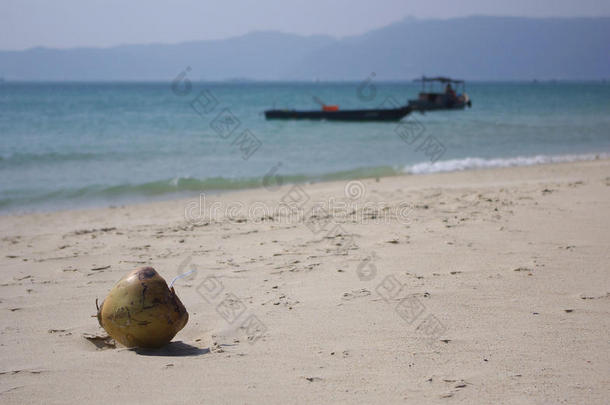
pixel 471 163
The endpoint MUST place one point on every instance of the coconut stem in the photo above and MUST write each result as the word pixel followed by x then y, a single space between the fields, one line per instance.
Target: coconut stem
pixel 178 277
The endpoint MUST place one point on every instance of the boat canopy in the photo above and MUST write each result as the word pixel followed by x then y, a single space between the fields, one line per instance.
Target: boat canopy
pixel 442 80
pixel 439 79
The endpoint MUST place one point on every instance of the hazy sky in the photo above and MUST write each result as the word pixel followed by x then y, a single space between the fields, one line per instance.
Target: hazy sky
pixel 70 23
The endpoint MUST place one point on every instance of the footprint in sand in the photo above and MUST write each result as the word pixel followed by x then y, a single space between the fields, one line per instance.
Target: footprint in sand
pixel 348 296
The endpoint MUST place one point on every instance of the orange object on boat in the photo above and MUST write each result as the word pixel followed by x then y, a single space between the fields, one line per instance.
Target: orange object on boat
pixel 330 108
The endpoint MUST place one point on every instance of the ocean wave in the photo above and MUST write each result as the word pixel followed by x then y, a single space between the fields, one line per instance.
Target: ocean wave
pixel 471 163
pixel 189 184
pixel 31 199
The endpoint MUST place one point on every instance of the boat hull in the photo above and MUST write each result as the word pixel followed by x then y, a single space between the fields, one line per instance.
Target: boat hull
pixel 390 114
pixel 439 101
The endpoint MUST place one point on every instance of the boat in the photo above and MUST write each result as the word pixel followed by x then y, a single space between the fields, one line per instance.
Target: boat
pixel 448 99
pixel 334 113
pixel 379 114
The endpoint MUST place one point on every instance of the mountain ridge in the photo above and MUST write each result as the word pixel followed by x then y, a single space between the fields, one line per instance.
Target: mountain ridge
pixel 473 48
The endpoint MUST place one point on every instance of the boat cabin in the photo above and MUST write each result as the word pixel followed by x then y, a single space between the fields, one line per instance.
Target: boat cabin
pixel 441 93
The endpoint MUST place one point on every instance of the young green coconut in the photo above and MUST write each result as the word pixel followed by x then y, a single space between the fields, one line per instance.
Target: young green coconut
pixel 142 311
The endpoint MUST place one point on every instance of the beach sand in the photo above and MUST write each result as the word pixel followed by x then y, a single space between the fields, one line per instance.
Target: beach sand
pixel 489 286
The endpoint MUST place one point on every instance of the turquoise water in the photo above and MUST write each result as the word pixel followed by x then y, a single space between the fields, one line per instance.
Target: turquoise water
pixel 83 144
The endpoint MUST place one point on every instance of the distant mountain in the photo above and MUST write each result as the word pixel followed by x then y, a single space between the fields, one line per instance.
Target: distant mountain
pixel 259 55
pixel 483 48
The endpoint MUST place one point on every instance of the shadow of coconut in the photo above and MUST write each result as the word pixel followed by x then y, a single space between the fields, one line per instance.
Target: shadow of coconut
pixel 173 349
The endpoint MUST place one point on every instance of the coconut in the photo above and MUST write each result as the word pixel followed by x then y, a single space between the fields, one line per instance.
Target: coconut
pixel 142 311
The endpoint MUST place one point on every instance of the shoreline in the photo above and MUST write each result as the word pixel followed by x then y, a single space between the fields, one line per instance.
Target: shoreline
pixel 424 168
pixel 493 287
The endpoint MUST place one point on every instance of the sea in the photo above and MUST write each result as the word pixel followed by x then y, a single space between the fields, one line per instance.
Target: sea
pixel 79 145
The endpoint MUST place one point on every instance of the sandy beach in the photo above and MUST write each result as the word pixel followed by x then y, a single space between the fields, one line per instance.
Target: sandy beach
pixel 488 286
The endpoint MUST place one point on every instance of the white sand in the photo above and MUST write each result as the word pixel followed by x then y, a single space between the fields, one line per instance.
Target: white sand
pixel 511 264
